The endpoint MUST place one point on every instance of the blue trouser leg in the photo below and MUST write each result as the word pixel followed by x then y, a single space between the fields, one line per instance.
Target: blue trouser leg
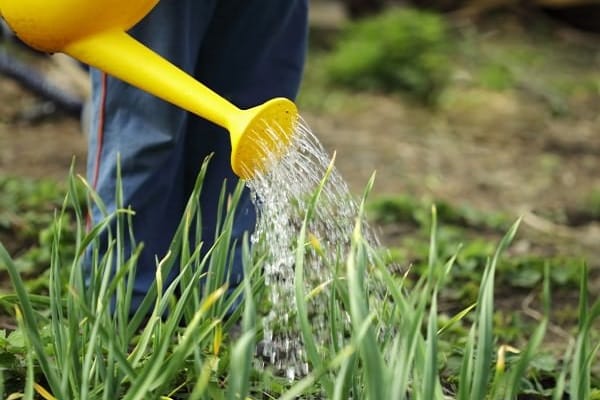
pixel 247 51
pixel 232 64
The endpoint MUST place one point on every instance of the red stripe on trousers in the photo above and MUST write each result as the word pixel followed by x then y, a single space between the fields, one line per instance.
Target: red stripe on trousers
pixel 99 137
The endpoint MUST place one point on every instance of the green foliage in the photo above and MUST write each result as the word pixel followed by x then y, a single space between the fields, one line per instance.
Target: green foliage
pixel 592 203
pixel 26 206
pixel 497 77
pixel 85 349
pixel 403 342
pixel 28 223
pixel 407 209
pixel 400 50
pixel 525 61
pixel 471 235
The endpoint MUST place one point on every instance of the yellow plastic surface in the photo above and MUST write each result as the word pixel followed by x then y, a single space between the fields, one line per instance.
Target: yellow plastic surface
pixel 93 31
pixel 49 25
pixel 261 133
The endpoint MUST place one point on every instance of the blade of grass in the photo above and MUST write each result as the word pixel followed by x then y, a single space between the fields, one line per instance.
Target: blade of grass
pixel 485 312
pixel 407 341
pixel 431 381
pixel 301 313
pixel 341 390
pixel 191 207
pixel 518 371
pixel 239 373
pixel 203 380
pixel 30 377
pixel 408 357
pixel 30 324
pixel 100 305
pixel 456 318
pixel 302 386
pixel 221 262
pixel 484 346
pixel 559 388
pixel 465 379
pixel 121 310
pixel 156 370
pixel 62 341
pixel 375 373
pixel 105 335
pixel 432 259
pixel 579 387
pixel 310 345
pixel 241 355
pixel 110 379
pixel 584 371
pixel 334 317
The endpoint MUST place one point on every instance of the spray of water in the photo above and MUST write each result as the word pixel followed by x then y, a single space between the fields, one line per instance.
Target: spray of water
pixel 282 196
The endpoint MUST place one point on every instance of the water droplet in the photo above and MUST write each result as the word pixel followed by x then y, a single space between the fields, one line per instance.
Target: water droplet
pixel 283 195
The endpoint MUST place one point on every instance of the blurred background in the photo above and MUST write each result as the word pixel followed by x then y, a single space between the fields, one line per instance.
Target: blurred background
pixel 489 102
pixel 488 108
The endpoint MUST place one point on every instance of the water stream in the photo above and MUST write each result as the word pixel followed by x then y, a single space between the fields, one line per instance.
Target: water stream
pixel 283 196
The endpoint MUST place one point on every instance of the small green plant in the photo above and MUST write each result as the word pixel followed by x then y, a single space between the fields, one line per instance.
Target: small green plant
pixel 408 209
pixel 27 222
pixel 593 203
pixel 401 50
pixel 496 77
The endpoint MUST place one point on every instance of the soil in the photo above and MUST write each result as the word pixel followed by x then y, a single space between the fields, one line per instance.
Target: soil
pixel 513 157
pixel 36 148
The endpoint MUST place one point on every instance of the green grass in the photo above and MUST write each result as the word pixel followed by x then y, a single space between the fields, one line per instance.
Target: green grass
pixel 476 233
pixel 401 341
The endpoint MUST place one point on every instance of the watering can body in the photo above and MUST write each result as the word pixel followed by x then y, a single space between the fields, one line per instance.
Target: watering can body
pixel 50 25
pixel 94 32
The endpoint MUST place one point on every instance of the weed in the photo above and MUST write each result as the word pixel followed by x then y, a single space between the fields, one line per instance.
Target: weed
pixel 593 204
pixel 400 50
pixel 27 222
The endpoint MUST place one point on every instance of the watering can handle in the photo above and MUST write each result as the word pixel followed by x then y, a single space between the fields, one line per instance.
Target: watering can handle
pixel 122 56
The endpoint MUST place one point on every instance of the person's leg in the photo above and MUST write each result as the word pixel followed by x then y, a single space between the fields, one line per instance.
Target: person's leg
pixel 253 51
pixel 148 136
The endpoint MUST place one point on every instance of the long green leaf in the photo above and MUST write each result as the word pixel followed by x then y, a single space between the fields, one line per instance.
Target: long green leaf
pixel 580 377
pixel 431 381
pixel 375 373
pixel 485 305
pixel 533 344
pixel 465 380
pixel 241 355
pixel 30 324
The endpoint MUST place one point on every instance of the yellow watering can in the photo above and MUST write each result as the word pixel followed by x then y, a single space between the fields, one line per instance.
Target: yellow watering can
pixel 94 32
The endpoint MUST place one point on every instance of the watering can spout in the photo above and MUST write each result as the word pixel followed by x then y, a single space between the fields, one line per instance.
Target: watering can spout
pixel 94 32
